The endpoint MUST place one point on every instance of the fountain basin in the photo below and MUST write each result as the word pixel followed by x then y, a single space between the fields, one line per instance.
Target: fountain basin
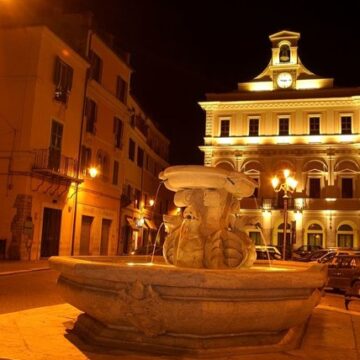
pixel 154 307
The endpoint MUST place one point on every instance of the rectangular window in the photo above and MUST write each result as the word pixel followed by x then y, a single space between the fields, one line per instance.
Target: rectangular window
pixel 140 157
pixel 347 188
pixel 314 126
pixel 346 125
pixel 115 179
pixel 314 188
pixel 254 127
pixel 131 149
pixel 85 159
pixel 63 77
pixel 284 126
pixel 121 89
pixel 224 128
pixel 91 114
pixel 118 132
pixel 95 66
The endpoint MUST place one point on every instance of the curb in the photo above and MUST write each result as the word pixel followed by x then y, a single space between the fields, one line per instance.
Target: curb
pixel 14 272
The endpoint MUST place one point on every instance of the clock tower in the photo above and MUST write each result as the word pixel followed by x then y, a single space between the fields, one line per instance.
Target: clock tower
pixel 285 70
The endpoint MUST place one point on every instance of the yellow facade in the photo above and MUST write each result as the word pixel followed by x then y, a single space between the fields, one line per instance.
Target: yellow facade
pixel 62 113
pixel 288 117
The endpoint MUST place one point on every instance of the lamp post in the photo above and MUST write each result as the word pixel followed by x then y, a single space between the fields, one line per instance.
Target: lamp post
pixel 288 186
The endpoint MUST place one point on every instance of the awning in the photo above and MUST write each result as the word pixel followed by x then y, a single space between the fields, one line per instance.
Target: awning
pixel 150 224
pixel 132 224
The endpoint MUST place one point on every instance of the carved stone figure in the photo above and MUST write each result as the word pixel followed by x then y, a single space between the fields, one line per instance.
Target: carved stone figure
pixel 204 238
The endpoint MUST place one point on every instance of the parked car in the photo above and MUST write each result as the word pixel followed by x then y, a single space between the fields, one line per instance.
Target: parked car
pixel 344 272
pixel 269 248
pixel 305 250
pixel 263 254
pixel 324 255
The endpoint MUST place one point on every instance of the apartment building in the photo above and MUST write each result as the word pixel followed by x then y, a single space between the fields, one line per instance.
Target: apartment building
pixel 290 118
pixel 68 125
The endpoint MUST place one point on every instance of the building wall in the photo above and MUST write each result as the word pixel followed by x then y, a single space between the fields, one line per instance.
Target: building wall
pixel 27 110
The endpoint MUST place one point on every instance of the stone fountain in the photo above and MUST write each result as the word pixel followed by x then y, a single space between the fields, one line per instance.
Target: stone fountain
pixel 207 296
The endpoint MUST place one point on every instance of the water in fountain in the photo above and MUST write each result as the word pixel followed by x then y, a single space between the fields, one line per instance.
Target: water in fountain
pixel 156 241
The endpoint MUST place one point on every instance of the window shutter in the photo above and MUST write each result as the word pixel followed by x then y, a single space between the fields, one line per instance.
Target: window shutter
pixel 57 71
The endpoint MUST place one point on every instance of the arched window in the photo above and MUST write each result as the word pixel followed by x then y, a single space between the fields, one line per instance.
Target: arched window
pixel 315 234
pixel 345 236
pixel 284 53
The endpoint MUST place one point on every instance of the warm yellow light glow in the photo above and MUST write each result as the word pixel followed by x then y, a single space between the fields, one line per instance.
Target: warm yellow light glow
pixel 315 139
pixel 139 264
pixel 266 213
pixel 65 52
pixel 93 172
pixel 283 140
pixel 275 182
pixel 225 141
pixel 346 138
pixel 298 215
pixel 291 182
pixel 140 222
pixel 259 86
pixel 253 140
pixel 313 83
pixel 286 173
pixel 330 199
pixel 151 202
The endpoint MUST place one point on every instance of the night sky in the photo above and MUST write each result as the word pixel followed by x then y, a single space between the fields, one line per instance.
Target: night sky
pixel 181 50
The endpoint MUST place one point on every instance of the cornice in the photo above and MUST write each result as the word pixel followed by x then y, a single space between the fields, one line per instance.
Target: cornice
pixel 278 104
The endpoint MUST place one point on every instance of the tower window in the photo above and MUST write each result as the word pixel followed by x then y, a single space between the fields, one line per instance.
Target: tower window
pixel 284 53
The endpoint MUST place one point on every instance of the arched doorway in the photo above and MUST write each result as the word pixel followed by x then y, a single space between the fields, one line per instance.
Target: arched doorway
pixel 315 235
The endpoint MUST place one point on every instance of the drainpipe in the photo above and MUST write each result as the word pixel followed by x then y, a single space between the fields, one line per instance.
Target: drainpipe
pixel 90 33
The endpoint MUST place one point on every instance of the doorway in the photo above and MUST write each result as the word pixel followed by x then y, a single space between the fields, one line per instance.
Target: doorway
pixel 105 233
pixel 86 222
pixel 50 237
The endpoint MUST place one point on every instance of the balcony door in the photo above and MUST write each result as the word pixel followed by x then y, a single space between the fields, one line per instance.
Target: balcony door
pixel 55 145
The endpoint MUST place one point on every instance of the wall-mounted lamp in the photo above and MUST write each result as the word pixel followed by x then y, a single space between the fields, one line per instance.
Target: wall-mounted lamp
pixel 93 172
pixel 151 202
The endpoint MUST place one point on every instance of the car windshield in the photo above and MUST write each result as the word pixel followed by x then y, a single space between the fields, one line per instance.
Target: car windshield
pixel 317 254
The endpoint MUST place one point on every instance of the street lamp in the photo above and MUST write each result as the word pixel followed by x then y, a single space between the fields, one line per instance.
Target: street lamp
pixel 288 186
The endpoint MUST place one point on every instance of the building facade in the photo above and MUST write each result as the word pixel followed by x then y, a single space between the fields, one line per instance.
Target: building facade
pixel 79 158
pixel 290 118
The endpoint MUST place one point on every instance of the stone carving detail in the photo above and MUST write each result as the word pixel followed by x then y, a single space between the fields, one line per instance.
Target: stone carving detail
pixel 203 236
pixel 144 307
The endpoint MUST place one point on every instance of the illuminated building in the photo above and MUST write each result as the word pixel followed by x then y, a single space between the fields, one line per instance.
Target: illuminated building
pixel 289 118
pixel 66 108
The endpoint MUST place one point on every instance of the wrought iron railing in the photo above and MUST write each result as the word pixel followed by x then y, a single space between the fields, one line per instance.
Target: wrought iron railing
pixel 52 161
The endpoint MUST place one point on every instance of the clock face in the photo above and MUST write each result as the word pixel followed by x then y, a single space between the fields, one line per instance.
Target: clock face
pixel 284 80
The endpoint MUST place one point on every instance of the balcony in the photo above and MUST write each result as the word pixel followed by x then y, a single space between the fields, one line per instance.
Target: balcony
pixel 51 163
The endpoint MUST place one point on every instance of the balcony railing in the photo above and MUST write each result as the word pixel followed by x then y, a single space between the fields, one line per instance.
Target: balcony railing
pixel 52 162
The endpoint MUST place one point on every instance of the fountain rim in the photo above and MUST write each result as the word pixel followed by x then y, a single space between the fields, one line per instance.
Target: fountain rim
pixel 164 274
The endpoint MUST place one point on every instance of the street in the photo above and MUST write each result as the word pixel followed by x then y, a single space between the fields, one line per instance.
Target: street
pixel 28 290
